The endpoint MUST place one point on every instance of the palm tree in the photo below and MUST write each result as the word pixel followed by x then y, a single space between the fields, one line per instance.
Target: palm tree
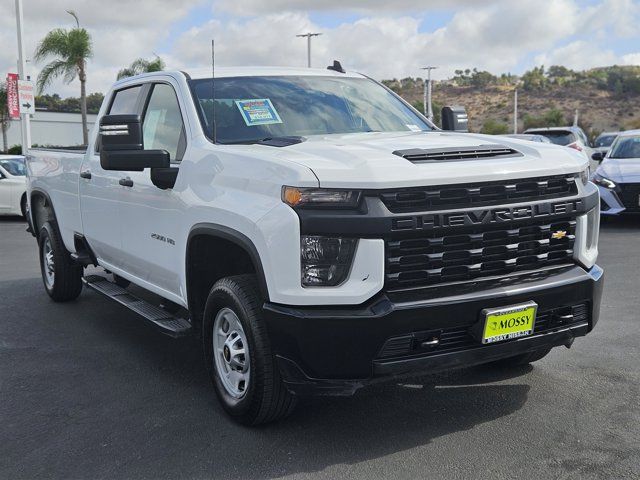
pixel 4 115
pixel 142 65
pixel 71 49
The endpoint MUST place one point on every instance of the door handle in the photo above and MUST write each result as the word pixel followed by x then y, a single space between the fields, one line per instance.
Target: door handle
pixel 126 182
pixel 86 174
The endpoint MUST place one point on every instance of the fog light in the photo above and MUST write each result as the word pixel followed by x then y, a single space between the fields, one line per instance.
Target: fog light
pixel 325 261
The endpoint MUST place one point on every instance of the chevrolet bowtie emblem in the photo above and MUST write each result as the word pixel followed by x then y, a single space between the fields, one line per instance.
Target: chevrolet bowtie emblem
pixel 559 234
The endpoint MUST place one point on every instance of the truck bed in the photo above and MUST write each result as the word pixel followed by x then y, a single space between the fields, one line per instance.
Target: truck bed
pixel 55 171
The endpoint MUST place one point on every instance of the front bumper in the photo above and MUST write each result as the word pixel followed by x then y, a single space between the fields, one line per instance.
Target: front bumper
pixel 335 351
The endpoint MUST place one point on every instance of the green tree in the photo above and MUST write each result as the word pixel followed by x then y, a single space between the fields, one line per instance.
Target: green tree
pixel 551 118
pixel 534 79
pixel 142 65
pixel 494 127
pixel 4 115
pixel 70 49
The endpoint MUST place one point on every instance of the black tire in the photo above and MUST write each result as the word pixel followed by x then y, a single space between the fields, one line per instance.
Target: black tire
pixel 522 359
pixel 265 398
pixel 64 283
pixel 23 206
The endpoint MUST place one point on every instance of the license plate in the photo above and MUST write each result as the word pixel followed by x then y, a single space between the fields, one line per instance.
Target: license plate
pixel 506 323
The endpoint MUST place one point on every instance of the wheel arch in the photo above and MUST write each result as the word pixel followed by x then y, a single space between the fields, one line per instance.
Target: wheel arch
pixel 41 210
pixel 237 245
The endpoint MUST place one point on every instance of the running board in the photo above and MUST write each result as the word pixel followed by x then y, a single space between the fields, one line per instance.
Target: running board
pixel 166 322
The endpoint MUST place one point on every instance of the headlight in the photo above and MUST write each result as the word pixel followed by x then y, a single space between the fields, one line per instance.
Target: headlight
pixel 584 176
pixel 587 232
pixel 603 181
pixel 325 261
pixel 320 197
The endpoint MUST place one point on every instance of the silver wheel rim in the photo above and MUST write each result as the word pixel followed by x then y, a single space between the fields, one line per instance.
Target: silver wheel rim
pixel 48 264
pixel 231 353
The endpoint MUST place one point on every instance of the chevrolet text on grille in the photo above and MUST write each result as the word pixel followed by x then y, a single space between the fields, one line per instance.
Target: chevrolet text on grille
pixel 487 216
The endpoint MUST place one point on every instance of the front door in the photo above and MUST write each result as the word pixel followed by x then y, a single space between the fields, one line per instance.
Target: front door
pixel 152 217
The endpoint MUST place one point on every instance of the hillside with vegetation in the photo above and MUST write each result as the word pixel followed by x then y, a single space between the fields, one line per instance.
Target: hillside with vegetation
pixel 606 98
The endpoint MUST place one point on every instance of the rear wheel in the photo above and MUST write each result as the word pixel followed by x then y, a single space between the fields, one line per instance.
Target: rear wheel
pixel 61 277
pixel 522 359
pixel 238 354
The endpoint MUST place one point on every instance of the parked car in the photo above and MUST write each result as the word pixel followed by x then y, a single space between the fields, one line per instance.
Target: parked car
pixel 320 235
pixel 618 176
pixel 13 185
pixel 572 137
pixel 528 136
pixel 603 142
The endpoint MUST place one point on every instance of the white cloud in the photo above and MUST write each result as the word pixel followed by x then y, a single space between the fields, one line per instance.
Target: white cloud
pixel 387 38
pixel 578 55
pixel 121 31
pixel 490 37
pixel 255 7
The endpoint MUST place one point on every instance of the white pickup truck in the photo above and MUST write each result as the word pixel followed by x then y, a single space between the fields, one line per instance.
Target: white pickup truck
pixel 317 232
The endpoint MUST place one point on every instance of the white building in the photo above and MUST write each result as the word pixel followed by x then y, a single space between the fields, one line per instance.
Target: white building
pixel 51 129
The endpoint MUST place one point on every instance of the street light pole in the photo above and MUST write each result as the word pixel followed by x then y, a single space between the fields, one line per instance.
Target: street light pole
pixel 308 36
pixel 515 111
pixel 428 108
pixel 22 70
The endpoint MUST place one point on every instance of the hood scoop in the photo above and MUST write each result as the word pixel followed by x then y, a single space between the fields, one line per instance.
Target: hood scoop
pixel 426 155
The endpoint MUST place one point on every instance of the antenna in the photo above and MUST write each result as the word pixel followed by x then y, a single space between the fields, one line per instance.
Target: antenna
pixel 213 90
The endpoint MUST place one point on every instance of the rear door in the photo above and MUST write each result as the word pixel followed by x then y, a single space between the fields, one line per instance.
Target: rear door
pixel 100 191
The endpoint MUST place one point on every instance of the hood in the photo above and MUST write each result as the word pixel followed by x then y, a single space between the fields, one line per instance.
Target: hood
pixel 366 160
pixel 620 170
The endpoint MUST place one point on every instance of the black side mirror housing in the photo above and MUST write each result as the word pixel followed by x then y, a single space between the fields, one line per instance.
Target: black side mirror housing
pixel 455 119
pixel 122 146
pixel 597 156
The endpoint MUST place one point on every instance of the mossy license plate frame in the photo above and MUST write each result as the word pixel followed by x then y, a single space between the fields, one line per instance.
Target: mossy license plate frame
pixel 508 323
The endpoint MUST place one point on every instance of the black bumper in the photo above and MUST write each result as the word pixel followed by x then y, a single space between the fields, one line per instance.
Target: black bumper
pixel 336 350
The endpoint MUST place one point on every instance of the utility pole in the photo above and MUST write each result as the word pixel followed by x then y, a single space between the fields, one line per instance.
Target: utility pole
pixel 515 111
pixel 428 108
pixel 22 72
pixel 308 37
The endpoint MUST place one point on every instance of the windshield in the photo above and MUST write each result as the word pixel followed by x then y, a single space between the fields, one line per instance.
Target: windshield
pixel 249 109
pixel 559 138
pixel 605 140
pixel 626 147
pixel 15 166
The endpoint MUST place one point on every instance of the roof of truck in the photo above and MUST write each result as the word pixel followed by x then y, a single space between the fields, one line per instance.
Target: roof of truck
pixel 222 72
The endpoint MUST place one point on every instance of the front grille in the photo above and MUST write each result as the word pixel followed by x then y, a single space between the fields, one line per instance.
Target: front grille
pixel 456 339
pixel 630 196
pixel 480 252
pixel 478 194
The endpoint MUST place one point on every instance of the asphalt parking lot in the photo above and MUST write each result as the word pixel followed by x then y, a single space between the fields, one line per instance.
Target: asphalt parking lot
pixel 89 391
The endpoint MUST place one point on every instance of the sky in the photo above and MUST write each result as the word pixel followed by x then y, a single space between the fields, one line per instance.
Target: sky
pixel 382 38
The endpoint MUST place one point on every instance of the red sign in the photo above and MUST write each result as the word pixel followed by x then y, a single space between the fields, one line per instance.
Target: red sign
pixel 12 96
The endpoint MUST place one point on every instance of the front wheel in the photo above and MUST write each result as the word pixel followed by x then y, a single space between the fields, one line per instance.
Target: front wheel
pixel 62 278
pixel 238 354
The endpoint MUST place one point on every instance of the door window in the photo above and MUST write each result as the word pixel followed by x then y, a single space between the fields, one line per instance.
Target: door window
pixel 125 101
pixel 163 128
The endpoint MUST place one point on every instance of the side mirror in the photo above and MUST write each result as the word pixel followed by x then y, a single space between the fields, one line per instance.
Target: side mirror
pixel 597 156
pixel 455 119
pixel 122 148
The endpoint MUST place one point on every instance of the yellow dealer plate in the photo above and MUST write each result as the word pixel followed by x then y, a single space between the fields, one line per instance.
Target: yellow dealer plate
pixel 509 322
